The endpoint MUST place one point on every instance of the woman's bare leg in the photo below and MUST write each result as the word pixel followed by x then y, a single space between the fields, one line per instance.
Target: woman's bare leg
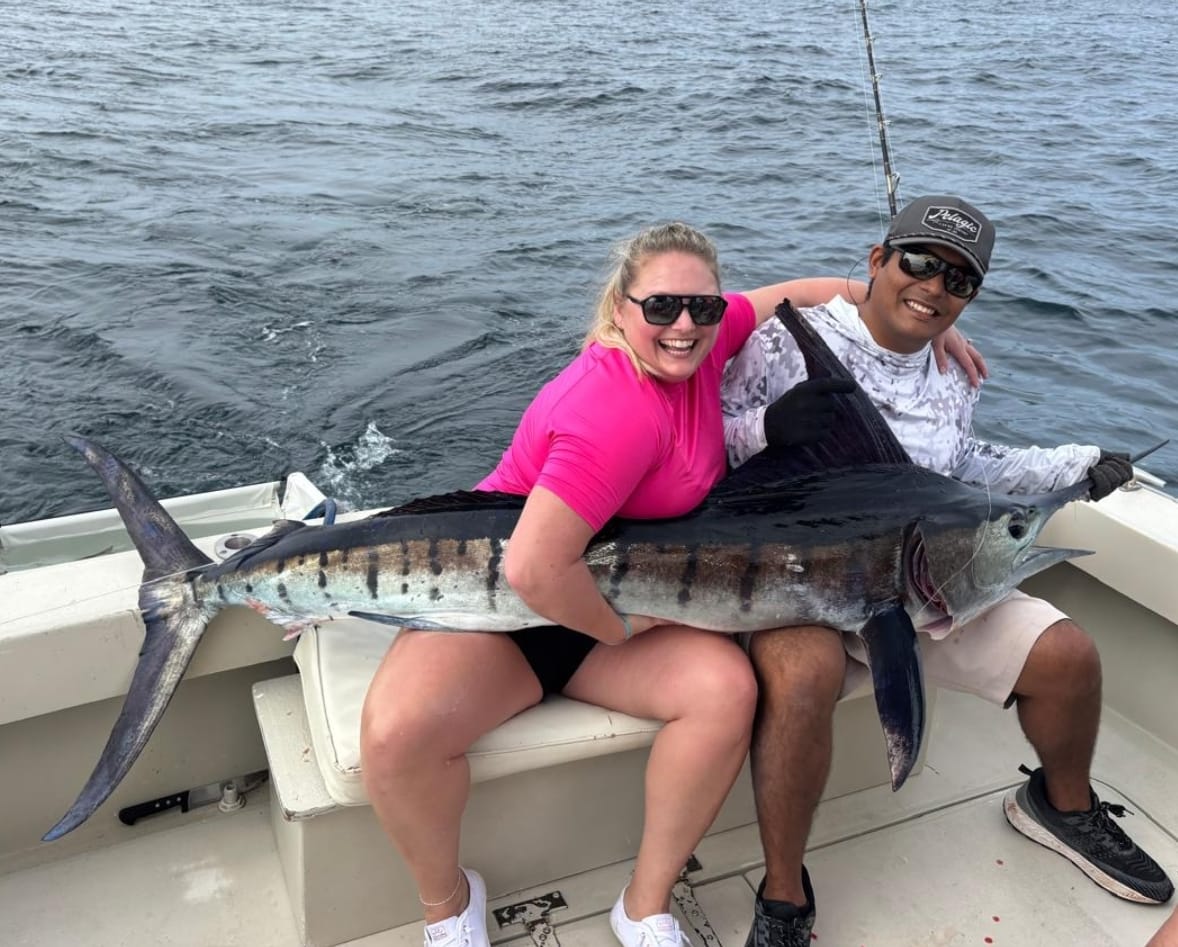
pixel 702 685
pixel 434 695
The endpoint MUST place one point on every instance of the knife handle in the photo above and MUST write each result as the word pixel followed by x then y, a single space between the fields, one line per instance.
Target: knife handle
pixel 132 814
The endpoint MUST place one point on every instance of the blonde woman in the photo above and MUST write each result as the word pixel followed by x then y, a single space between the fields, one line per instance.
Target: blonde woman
pixel 632 427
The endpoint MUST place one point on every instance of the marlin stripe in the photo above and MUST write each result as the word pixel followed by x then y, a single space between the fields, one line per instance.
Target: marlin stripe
pixel 748 578
pixel 493 576
pixel 687 579
pixel 374 573
pixel 618 570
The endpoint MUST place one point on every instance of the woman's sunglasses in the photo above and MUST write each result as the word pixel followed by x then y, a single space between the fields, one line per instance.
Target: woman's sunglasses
pixel 920 264
pixel 662 309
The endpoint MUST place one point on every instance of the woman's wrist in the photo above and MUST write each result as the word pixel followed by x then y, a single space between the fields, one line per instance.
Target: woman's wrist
pixel 627 628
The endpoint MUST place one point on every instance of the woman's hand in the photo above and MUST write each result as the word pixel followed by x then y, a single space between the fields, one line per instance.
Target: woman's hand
pixel 637 625
pixel 952 342
pixel 544 566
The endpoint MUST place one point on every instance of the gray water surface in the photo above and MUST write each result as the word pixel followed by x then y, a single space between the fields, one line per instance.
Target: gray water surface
pixel 238 239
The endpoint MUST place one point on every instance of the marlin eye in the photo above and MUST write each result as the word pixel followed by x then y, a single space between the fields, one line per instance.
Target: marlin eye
pixel 1017 527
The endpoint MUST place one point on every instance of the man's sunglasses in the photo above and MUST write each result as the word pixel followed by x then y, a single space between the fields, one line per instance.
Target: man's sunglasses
pixel 959 281
pixel 662 309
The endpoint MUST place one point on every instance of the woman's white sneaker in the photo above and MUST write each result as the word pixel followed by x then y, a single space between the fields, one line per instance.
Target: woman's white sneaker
pixel 658 930
pixel 468 929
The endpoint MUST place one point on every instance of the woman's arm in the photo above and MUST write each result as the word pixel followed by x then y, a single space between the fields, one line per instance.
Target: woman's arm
pixel 811 291
pixel 964 352
pixel 815 290
pixel 544 566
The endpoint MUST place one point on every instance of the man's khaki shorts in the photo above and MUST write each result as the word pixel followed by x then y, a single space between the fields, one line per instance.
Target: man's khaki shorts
pixel 984 657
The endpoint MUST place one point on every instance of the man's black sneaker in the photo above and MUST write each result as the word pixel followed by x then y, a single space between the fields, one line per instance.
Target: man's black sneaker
pixel 777 924
pixel 1089 840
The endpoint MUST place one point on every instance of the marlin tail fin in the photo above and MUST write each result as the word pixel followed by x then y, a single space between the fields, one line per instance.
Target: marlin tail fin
pixel 173 618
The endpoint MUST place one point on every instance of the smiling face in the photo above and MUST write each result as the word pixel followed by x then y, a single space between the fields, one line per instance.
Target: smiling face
pixel 903 313
pixel 671 353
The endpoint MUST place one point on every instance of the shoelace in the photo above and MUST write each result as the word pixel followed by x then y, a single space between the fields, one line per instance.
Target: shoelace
pixel 1101 818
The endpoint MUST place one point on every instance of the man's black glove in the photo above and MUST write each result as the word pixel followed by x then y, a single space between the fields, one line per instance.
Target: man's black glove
pixel 805 413
pixel 1108 473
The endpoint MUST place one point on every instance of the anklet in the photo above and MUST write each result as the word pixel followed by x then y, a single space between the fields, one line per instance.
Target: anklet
pixel 438 904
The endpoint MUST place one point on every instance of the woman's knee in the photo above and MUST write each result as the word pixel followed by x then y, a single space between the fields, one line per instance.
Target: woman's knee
pixel 432 698
pixel 399 729
pixel 395 738
pixel 717 680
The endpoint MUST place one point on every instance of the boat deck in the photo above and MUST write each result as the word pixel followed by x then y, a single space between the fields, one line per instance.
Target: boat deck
pixel 935 864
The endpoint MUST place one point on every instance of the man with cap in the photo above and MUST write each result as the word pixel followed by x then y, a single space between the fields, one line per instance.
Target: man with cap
pixel 1023 651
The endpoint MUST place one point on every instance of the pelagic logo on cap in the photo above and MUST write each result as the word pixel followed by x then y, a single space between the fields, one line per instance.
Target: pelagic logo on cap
pixel 953 223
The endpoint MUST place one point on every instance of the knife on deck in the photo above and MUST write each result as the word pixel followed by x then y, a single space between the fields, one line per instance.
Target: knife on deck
pixel 230 792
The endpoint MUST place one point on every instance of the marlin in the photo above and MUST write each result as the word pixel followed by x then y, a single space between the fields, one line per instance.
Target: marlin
pixel 847 533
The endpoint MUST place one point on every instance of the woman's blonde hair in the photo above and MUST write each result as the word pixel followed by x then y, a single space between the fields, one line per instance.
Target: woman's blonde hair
pixel 628 257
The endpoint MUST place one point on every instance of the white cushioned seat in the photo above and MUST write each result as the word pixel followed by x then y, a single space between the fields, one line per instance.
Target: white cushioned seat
pixel 337 663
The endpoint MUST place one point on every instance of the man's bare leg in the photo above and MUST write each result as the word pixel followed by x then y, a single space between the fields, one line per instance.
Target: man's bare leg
pixel 800 673
pixel 1058 696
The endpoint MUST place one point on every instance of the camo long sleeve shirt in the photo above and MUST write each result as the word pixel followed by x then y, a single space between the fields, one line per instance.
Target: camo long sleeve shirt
pixel 931 414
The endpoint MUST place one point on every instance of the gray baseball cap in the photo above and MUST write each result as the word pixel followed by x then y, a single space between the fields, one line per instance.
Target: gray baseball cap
pixel 945 221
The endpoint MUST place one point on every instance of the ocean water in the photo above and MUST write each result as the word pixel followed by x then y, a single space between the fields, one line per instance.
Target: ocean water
pixel 353 239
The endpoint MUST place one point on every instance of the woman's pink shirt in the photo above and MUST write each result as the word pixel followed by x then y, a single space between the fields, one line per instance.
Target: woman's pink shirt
pixel 610 442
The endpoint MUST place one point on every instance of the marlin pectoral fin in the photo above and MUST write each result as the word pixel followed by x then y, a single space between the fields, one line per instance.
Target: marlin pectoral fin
pixel 413 624
pixel 894 658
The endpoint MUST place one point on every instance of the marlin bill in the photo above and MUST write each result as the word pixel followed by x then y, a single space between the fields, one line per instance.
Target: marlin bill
pixel 848 533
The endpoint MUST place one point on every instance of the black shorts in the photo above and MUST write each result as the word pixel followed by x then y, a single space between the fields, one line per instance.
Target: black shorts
pixel 553 652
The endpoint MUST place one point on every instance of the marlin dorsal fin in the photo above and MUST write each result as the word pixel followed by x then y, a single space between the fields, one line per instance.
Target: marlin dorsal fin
pixel 460 501
pixel 859 435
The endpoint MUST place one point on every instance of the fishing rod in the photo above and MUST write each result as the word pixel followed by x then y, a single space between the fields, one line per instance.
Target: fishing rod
pixel 891 178
pixel 1148 451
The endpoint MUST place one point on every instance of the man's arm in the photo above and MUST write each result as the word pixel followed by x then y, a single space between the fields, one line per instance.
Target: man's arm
pixel 1024 469
pixel 766 367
